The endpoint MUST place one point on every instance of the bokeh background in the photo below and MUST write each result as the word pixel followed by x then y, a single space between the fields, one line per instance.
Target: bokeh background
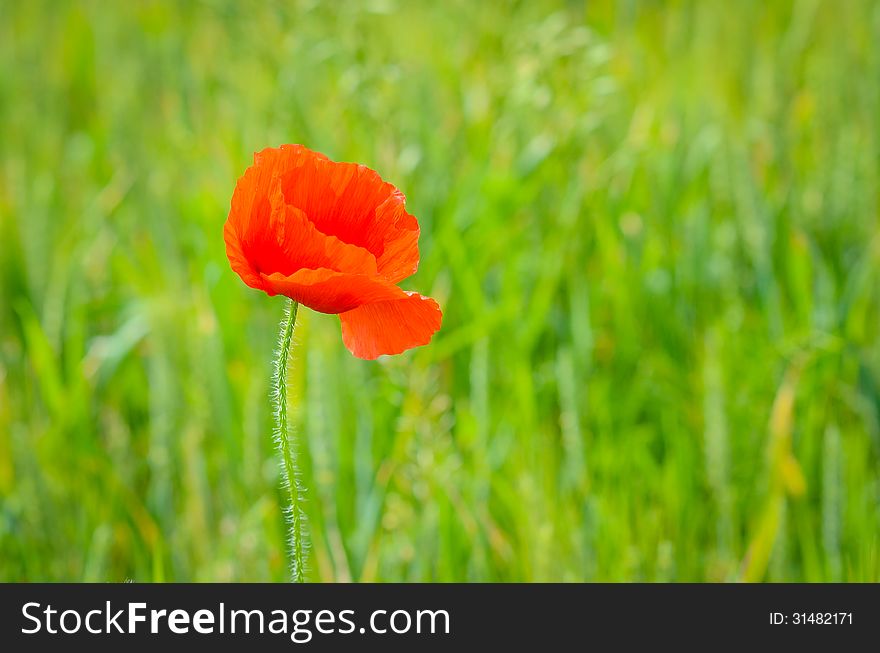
pixel 653 227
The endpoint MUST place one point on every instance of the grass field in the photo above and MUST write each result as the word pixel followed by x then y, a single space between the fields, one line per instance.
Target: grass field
pixel 653 228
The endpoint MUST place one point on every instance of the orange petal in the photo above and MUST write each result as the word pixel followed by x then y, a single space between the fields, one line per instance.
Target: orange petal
pixel 399 258
pixel 283 239
pixel 250 200
pixel 330 291
pixel 348 201
pixel 353 203
pixel 238 260
pixel 264 235
pixel 390 327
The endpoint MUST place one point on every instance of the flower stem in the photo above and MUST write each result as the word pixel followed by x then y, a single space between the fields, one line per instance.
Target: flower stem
pixel 284 441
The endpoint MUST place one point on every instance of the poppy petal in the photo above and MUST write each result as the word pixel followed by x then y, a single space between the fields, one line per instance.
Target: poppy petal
pixel 237 259
pixel 330 291
pixel 353 203
pixel 400 254
pixel 390 327
pixel 251 197
pixel 341 199
pixel 282 239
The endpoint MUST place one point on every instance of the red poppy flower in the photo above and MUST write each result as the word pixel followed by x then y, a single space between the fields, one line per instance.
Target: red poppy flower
pixel 334 237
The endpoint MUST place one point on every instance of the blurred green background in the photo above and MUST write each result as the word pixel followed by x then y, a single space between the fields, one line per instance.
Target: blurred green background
pixel 652 226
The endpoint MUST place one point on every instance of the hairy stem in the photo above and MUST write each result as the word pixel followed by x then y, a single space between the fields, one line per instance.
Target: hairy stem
pixel 284 441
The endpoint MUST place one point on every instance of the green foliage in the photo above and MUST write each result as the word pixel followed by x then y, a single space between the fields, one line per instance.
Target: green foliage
pixel 653 228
